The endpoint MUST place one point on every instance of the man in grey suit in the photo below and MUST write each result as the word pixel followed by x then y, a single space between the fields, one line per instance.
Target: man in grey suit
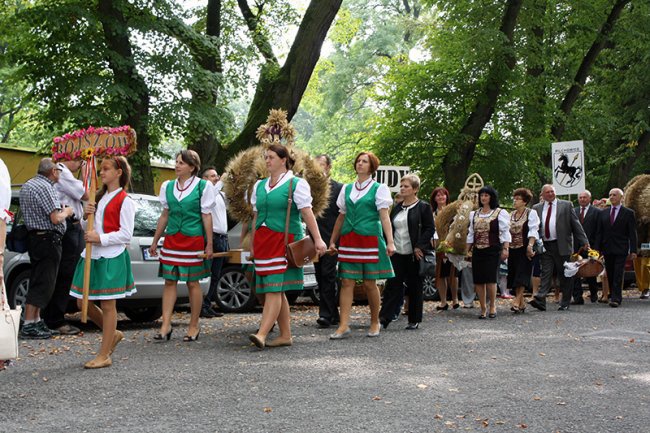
pixel 559 225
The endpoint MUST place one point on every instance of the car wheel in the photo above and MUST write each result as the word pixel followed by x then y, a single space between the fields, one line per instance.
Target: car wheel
pixel 292 297
pixel 18 290
pixel 234 293
pixel 143 314
pixel 429 289
pixel 314 294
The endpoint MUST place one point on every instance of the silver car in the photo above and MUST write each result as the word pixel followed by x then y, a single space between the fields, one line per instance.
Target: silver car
pixel 145 304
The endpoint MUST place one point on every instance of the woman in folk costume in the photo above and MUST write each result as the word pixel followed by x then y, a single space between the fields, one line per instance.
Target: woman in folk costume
pixel 186 221
pixel 110 268
pixel 524 230
pixel 363 252
pixel 445 271
pixel 488 241
pixel 270 200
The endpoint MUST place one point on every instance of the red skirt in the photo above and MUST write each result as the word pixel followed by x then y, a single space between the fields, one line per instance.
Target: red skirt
pixel 356 248
pixel 270 251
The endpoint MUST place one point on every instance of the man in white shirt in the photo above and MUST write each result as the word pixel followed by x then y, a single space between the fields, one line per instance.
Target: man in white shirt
pixel 71 192
pixel 219 240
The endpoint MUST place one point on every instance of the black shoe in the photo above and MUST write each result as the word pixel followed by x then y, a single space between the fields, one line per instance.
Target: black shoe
pixel 579 301
pixel 445 308
pixel 614 304
pixel 412 326
pixel 593 297
pixel 323 322
pixel 207 313
pixel 535 303
pixel 216 313
pixel 492 315
pixel 563 308
pixel 384 323
pixel 34 331
pixel 43 326
pixel 166 336
pixel 188 338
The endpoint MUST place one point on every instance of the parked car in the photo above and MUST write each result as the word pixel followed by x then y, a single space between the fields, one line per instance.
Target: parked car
pixel 234 293
pixel 145 304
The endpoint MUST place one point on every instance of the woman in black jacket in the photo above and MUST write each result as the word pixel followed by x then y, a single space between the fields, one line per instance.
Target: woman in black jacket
pixel 412 222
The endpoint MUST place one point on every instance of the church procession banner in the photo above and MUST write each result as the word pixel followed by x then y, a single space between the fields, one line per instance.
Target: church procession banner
pixel 568 161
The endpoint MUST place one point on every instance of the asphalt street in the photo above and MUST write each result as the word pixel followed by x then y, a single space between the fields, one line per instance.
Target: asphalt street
pixel 585 370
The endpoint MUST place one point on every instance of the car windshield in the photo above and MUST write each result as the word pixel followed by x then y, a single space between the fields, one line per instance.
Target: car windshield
pixel 147 213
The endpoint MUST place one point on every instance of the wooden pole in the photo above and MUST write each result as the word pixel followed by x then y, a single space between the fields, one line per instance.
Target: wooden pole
pixel 89 250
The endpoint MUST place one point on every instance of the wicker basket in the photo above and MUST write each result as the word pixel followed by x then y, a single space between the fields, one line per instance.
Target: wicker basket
pixel 590 268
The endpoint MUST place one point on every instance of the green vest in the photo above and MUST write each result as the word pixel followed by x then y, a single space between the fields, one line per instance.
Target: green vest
pixel 362 217
pixel 185 216
pixel 272 208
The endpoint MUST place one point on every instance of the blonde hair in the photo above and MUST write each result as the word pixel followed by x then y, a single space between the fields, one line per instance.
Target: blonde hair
pixel 411 178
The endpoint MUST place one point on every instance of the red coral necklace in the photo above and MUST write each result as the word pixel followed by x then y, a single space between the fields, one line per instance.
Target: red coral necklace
pixel 271 186
pixel 181 190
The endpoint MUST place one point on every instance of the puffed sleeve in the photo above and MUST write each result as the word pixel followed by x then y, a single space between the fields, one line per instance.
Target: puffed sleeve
pixel 470 233
pixel 254 195
pixel 504 227
pixel 533 224
pixel 340 201
pixel 127 222
pixel 383 200
pixel 162 196
pixel 5 192
pixel 208 199
pixel 302 194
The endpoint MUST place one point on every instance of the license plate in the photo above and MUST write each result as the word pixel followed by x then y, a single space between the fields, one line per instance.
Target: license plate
pixel 148 257
pixel 310 280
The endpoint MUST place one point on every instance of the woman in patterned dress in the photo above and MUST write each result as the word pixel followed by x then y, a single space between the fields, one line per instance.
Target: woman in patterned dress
pixel 110 276
pixel 488 241
pixel 273 277
pixel 363 252
pixel 524 230
pixel 186 221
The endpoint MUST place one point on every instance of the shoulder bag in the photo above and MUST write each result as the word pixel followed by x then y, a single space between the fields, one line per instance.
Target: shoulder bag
pixel 9 325
pixel 301 252
pixel 427 264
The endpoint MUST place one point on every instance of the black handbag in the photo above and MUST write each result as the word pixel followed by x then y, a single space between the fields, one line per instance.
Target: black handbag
pixel 427 265
pixel 17 238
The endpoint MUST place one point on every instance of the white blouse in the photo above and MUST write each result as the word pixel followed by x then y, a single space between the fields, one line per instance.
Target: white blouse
pixel 301 195
pixel 208 198
pixel 504 225
pixel 401 236
pixel 383 200
pixel 112 244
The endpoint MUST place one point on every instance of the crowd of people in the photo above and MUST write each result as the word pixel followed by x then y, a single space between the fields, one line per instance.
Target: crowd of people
pixel 362 237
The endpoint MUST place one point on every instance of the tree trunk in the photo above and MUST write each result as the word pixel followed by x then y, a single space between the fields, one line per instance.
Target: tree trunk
pixel 201 136
pixel 136 101
pixel 456 162
pixel 600 43
pixel 283 87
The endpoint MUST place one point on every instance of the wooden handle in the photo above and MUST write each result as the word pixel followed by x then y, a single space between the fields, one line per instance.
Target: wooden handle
pixel 89 250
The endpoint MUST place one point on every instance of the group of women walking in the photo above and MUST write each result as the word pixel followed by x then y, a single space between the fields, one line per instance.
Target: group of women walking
pixel 374 240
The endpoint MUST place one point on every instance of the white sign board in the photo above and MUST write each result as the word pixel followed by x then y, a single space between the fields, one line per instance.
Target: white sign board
pixel 390 175
pixel 568 159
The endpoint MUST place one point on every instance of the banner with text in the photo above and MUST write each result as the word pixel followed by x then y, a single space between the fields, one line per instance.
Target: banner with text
pixel 390 175
pixel 568 161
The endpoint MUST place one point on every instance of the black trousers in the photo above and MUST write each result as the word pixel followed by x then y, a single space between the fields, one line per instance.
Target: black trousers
pixel 577 286
pixel 44 249
pixel 72 245
pixel 326 277
pixel 406 281
pixel 615 267
pixel 219 245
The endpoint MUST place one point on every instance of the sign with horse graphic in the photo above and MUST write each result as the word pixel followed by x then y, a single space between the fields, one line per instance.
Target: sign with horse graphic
pixel 568 160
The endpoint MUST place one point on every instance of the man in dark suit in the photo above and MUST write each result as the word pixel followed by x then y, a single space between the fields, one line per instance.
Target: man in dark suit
pixel 559 225
pixel 326 265
pixel 617 241
pixel 588 216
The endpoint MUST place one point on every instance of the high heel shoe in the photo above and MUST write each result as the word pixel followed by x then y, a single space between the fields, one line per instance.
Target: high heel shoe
pixel 188 338
pixel 492 315
pixel 456 306
pixel 445 308
pixel 166 336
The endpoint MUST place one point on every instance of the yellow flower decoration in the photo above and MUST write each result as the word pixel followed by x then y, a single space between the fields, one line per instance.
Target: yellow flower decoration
pixel 87 153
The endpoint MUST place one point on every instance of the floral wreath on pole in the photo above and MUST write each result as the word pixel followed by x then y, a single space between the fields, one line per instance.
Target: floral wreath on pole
pixel 247 167
pixel 88 145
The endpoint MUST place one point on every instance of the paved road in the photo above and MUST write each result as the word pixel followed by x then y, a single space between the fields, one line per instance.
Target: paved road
pixel 587 370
